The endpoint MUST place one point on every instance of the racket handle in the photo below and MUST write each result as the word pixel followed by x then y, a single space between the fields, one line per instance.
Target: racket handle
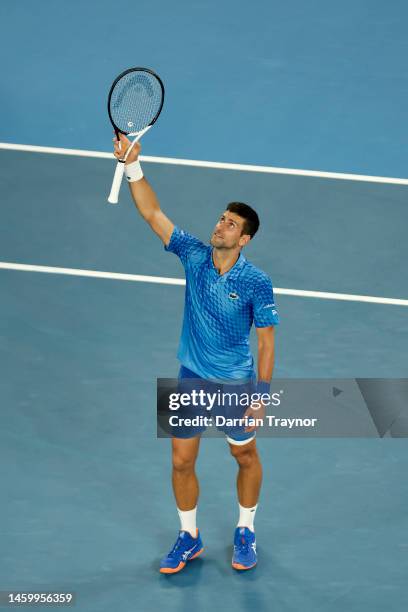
pixel 116 183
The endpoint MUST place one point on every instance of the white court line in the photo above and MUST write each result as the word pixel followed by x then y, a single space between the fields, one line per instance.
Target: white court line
pixel 162 280
pixel 5 265
pixel 209 164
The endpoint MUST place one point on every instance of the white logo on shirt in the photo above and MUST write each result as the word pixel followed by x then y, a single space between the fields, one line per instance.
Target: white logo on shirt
pixel 233 296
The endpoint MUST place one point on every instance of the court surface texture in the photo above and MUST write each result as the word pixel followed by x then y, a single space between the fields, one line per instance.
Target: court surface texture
pixel 87 504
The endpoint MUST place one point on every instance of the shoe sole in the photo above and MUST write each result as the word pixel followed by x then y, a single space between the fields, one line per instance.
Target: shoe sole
pixel 181 565
pixel 240 567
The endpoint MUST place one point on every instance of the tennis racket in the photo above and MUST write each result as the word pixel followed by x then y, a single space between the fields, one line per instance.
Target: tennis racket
pixel 134 103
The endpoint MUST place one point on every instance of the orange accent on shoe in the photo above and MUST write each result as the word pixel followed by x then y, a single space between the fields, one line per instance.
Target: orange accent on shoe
pixel 238 566
pixel 196 555
pixel 172 570
pixel 181 565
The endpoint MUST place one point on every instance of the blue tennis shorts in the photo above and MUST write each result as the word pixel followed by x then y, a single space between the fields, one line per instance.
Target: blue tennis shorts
pixel 235 434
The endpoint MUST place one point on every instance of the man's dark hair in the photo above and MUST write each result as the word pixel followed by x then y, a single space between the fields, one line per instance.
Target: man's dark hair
pixel 246 212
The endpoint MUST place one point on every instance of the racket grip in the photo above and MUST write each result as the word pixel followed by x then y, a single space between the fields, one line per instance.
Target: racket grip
pixel 116 183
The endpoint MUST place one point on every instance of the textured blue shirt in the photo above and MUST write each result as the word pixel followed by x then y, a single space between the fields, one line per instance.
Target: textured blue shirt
pixel 219 311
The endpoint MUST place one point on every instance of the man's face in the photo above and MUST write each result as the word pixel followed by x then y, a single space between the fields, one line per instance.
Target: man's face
pixel 228 232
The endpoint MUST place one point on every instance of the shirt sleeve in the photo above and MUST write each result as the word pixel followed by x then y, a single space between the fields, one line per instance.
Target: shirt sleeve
pixel 265 312
pixel 184 244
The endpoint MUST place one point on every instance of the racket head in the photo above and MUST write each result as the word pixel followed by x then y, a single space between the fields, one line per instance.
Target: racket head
pixel 135 100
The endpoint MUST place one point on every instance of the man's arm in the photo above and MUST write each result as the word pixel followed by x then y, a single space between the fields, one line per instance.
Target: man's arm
pixel 266 352
pixel 143 195
pixel 266 359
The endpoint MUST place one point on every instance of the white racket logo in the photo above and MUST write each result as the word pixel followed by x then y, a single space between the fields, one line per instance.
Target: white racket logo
pixel 130 123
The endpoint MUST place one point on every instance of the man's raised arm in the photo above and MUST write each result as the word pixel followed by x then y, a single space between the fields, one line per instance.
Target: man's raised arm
pixel 143 195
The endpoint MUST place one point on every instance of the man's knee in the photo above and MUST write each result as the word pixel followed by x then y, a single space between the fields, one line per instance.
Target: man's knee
pixel 245 454
pixel 183 463
pixel 184 457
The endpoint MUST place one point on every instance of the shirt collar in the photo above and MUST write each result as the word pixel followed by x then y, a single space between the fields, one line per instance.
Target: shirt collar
pixel 232 272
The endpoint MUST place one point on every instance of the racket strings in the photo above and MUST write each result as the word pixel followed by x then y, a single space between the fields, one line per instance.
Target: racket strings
pixel 135 101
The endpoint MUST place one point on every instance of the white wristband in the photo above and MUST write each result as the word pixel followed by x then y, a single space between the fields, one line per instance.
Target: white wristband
pixel 133 172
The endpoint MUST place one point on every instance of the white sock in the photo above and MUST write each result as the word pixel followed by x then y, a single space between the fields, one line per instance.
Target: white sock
pixel 188 521
pixel 247 516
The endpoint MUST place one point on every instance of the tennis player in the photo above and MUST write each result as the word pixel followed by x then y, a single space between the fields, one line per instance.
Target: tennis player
pixel 225 294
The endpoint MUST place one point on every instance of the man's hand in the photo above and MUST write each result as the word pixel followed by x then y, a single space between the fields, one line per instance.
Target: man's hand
pixel 121 146
pixel 257 412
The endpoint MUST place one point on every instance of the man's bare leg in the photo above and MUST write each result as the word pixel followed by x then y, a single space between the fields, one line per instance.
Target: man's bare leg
pixel 185 487
pixel 184 478
pixel 248 484
pixel 249 478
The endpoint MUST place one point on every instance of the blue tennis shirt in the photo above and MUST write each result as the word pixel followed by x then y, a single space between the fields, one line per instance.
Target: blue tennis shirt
pixel 219 311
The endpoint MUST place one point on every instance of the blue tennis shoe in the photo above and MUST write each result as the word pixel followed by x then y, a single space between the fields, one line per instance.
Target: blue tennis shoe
pixel 244 556
pixel 185 549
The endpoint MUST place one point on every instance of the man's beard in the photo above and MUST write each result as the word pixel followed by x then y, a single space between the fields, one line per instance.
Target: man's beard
pixel 217 242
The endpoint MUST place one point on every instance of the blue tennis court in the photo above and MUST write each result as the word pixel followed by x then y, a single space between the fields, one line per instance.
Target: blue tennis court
pixel 87 499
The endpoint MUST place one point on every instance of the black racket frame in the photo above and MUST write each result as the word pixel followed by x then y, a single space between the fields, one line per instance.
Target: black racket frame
pixel 122 74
